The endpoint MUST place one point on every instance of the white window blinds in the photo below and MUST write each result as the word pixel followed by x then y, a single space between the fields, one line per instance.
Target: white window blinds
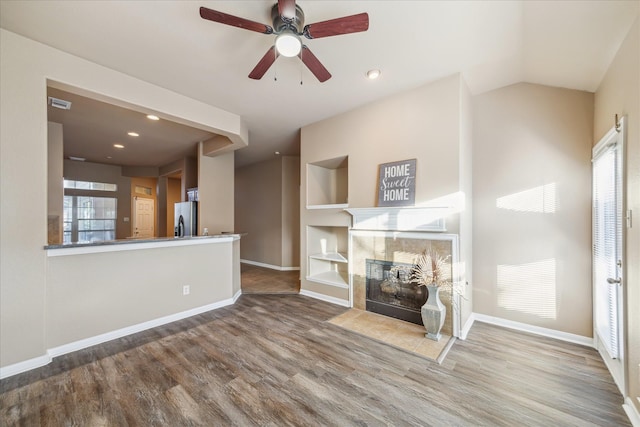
pixel 607 206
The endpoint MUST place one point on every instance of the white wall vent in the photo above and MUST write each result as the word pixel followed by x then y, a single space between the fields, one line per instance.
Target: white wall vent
pixel 59 103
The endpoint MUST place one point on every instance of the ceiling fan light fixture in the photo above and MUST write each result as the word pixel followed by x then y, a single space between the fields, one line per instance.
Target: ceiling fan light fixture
pixel 288 44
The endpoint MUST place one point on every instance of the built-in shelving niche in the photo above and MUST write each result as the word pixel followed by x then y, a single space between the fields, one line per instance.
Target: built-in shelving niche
pixel 327 249
pixel 328 183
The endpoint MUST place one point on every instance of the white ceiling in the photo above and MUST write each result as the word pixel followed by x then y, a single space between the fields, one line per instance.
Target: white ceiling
pixel 492 43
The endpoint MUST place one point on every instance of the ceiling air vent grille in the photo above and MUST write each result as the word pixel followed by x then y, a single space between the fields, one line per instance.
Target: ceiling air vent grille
pixel 59 103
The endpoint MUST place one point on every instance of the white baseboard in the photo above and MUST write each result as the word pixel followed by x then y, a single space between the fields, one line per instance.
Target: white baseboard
pixel 236 296
pixel 272 267
pixel 326 298
pixel 632 412
pixel 27 365
pixel 37 362
pixel 551 333
pixel 467 326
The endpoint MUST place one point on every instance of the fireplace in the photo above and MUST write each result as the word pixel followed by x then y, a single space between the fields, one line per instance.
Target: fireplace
pixel 385 244
pixel 389 290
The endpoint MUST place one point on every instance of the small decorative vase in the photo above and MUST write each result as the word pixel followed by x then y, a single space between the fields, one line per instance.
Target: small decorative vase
pixel 433 313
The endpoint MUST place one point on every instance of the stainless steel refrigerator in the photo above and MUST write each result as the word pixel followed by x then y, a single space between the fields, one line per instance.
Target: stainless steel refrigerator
pixel 186 221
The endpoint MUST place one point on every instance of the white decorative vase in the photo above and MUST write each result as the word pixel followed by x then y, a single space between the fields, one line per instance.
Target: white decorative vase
pixel 433 313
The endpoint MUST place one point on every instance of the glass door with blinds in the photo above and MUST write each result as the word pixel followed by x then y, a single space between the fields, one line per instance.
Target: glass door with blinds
pixel 608 291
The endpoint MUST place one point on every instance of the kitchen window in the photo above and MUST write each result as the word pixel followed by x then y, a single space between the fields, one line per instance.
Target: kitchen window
pixel 87 185
pixel 90 211
pixel 89 216
pixel 89 219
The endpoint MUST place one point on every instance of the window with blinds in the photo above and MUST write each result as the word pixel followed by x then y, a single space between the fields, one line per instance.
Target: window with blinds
pixel 607 248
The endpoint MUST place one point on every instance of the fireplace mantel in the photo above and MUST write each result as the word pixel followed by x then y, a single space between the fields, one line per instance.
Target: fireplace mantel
pixel 400 218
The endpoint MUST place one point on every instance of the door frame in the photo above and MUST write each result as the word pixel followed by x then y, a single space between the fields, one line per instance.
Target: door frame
pixel 617 367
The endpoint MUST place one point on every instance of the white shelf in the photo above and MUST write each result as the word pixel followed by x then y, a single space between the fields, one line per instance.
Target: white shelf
pixel 330 206
pixel 332 278
pixel 330 256
pixel 327 261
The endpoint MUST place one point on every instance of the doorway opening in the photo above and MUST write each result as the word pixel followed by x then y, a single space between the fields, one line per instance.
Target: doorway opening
pixel 608 250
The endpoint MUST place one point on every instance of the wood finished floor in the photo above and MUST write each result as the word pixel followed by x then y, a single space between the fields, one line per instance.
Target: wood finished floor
pixel 273 360
pixel 260 280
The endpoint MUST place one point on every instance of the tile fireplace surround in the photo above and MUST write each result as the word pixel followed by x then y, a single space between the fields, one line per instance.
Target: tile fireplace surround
pixel 400 235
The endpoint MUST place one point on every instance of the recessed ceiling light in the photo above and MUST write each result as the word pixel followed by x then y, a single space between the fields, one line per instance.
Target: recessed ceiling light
pixel 277 153
pixel 118 145
pixel 133 134
pixel 109 157
pixel 373 74
pixel 152 117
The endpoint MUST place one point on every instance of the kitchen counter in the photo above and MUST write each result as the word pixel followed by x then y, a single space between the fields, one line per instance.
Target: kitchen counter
pixel 137 243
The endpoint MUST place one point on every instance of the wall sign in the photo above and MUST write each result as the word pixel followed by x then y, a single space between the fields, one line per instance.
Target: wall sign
pixel 397 183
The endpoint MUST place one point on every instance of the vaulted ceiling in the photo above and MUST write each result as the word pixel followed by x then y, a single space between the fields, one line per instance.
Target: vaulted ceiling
pixel 492 43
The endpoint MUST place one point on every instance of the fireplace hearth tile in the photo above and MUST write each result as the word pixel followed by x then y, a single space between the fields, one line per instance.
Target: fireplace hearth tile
pixel 345 317
pixel 397 333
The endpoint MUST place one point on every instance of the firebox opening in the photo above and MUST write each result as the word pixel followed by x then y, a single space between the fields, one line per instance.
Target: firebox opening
pixel 390 291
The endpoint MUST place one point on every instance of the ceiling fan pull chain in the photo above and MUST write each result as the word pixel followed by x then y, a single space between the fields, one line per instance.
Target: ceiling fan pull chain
pixel 275 68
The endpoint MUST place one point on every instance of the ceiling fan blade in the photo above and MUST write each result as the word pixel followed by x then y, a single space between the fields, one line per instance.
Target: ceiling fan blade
pixel 314 65
pixel 334 27
pixel 287 8
pixel 234 21
pixel 267 60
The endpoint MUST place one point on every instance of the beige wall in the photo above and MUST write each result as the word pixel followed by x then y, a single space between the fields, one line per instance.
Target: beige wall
pixel 532 206
pixel 26 67
pixel 55 192
pixel 290 211
pixel 215 192
pixel 272 188
pixel 88 296
pixel 619 94
pixel 258 211
pixel 161 207
pixel 190 177
pixel 237 279
pixel 96 172
pixel 424 123
pixel 173 197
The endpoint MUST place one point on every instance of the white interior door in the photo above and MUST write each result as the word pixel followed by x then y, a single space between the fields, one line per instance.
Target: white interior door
pixel 143 217
pixel 608 280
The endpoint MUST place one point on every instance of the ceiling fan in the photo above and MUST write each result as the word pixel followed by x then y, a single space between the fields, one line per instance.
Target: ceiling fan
pixel 288 25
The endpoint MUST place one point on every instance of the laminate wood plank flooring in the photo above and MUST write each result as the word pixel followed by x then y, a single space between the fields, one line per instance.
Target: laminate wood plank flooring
pixel 275 360
pixel 260 280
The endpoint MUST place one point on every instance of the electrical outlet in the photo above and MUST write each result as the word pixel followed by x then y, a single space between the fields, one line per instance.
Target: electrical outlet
pixel 186 290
